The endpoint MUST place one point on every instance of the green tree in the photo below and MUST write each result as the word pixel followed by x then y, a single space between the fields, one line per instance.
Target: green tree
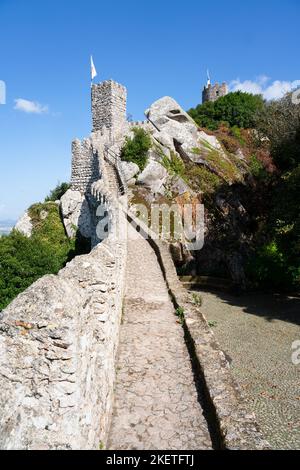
pixel 57 192
pixel 236 109
pixel 280 122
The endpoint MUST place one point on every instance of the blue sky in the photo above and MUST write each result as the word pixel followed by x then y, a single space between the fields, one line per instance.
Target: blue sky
pixel 155 48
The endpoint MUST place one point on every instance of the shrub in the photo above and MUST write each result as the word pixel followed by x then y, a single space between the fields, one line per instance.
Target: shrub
pixel 235 109
pixel 257 168
pixel 201 179
pixel 269 267
pixel 136 149
pixel 57 192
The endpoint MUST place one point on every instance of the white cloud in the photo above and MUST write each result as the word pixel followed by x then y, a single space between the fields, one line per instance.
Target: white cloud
pixel 32 107
pixel 263 86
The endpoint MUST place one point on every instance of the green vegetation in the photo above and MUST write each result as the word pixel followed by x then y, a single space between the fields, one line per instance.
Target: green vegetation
pixel 238 110
pixel 276 260
pixel 257 168
pixel 267 236
pixel 180 314
pixel 201 179
pixel 279 259
pixel 136 149
pixel 197 299
pixel 58 192
pixel 173 164
pixel 279 121
pixel 24 260
pixel 237 133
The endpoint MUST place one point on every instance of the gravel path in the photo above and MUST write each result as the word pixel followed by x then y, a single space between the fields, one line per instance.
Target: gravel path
pixel 256 332
pixel 156 403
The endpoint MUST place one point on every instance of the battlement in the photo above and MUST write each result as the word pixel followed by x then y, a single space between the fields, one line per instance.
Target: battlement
pixel 146 125
pixel 213 92
pixel 109 101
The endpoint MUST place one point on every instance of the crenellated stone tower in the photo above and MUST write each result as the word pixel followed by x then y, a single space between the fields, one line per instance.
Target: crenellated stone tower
pixel 109 125
pixel 109 100
pixel 214 92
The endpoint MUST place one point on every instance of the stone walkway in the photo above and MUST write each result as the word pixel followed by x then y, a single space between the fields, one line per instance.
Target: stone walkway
pixel 156 401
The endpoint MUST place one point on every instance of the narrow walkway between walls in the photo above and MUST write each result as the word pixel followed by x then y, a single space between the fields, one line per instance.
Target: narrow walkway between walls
pixel 156 400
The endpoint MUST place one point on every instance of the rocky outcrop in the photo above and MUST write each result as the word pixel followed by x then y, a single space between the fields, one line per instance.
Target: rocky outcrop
pixel 130 170
pixel 170 119
pixel 153 176
pixel 76 213
pixel 24 225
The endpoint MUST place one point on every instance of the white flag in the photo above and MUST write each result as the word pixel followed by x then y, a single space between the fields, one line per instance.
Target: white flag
pixel 93 69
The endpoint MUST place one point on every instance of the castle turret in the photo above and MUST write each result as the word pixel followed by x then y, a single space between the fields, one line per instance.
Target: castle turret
pixel 213 92
pixel 109 101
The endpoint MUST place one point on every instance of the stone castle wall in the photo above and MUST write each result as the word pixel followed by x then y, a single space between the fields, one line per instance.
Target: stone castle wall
pixel 146 125
pixel 58 343
pixel 85 166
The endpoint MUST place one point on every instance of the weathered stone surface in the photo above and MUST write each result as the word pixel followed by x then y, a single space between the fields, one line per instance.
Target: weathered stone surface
pixel 153 176
pixel 85 165
pixel 76 213
pixel 57 347
pixel 177 130
pixel 156 404
pixel 211 140
pixel 164 139
pixel 168 117
pixel 24 225
pixel 109 107
pixel 238 428
pixel 130 170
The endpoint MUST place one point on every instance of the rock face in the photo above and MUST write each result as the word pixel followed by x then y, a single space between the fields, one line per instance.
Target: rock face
pixel 154 176
pixel 130 170
pixel 58 342
pixel 75 213
pixel 170 119
pixel 24 225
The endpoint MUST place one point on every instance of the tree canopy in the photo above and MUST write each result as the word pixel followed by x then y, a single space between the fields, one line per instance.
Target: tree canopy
pixel 236 109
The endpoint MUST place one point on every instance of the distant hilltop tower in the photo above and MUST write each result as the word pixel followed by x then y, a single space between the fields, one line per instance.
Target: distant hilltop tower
pixel 213 92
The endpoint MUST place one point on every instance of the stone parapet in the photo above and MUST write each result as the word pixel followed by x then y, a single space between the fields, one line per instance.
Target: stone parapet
pixel 58 343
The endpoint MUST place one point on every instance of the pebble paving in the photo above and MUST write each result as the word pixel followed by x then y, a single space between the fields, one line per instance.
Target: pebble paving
pixel 256 332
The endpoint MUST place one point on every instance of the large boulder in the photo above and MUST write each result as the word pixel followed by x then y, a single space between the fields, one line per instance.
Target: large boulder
pixel 176 130
pixel 164 139
pixel 24 225
pixel 168 117
pixel 75 213
pixel 130 170
pixel 154 176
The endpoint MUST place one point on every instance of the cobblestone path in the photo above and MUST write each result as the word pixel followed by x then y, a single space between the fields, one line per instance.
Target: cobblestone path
pixel 256 331
pixel 156 402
